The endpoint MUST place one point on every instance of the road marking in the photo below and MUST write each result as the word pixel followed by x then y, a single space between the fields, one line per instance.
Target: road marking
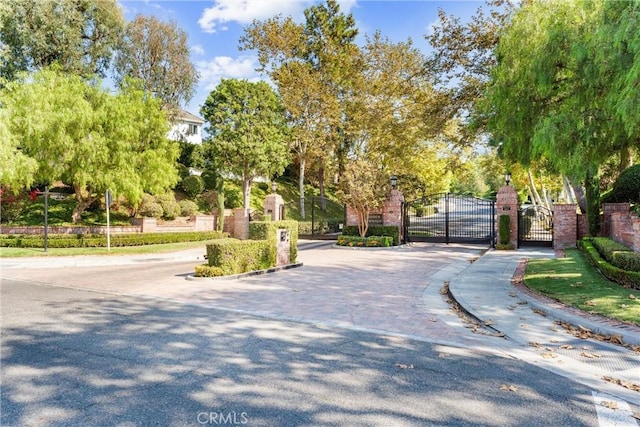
pixel 609 417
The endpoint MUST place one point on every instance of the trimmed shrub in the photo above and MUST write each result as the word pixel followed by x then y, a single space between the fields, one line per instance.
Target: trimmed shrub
pixel 188 207
pixel 192 185
pixel 149 207
pixel 617 254
pixel 170 207
pixel 628 279
pixel 206 270
pixel 627 186
pixel 234 256
pixel 375 230
pixel 100 240
pixel 266 230
pixel 505 229
pixel 368 242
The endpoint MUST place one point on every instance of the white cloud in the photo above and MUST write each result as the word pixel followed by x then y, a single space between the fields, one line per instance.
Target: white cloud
pixel 245 11
pixel 211 72
pixel 197 49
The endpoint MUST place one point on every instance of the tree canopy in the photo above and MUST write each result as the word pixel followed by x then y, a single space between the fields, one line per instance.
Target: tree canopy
pixel 79 35
pixel 248 131
pixel 157 53
pixel 82 135
pixel 559 89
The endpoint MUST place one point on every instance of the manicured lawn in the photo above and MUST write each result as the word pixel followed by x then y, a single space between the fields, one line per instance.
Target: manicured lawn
pixel 146 249
pixel 573 281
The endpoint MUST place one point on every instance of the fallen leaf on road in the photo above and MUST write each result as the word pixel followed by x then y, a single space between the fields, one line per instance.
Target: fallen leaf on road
pixel 508 387
pixel 584 329
pixel 566 347
pixel 534 344
pixel 511 307
pixel 522 302
pixel 403 366
pixel 433 319
pixel 489 322
pixel 548 355
pixel 513 294
pixel 610 405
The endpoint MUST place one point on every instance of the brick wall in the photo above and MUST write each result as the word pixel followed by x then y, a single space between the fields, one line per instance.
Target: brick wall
pixel 625 229
pixel 139 225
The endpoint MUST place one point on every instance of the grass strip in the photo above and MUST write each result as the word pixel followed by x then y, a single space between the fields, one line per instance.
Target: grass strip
pixel 573 281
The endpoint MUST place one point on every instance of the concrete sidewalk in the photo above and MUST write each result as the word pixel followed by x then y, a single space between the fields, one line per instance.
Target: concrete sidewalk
pixel 485 291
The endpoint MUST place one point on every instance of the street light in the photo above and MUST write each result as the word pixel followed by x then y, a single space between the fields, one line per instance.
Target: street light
pixel 394 181
pixel 507 178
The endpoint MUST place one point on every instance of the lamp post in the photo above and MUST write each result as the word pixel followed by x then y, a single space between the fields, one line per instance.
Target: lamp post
pixel 507 178
pixel 394 182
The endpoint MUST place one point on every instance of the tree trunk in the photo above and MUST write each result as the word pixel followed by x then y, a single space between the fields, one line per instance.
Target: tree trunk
pixel 581 198
pixel 534 191
pixel 567 190
pixel 301 187
pixel 246 191
pixel 363 223
pixel 626 159
pixel 592 188
pixel 323 198
pixel 82 203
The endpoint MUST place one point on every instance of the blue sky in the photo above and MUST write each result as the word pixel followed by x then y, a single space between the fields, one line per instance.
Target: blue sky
pixel 215 26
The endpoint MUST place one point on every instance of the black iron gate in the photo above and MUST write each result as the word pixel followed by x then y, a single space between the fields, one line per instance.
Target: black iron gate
pixel 535 226
pixel 450 218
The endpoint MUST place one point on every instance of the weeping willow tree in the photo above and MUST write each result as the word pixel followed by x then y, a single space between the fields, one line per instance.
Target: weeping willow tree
pixel 562 92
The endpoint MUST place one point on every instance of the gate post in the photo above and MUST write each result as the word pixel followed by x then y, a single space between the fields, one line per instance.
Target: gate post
pixel 565 226
pixel 507 204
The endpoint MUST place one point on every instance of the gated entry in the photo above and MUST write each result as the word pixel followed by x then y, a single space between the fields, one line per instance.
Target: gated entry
pixel 450 218
pixel 535 226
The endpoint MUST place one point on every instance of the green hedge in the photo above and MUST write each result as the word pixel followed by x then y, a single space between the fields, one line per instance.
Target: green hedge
pixel 629 279
pixel 368 242
pixel 266 230
pixel 232 256
pixel 100 240
pixel 617 254
pixel 505 229
pixel 375 230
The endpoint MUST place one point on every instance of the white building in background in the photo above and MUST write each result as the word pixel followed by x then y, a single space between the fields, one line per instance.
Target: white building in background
pixel 188 127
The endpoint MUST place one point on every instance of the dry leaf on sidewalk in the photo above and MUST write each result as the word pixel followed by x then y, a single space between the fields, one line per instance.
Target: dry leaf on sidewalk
pixel 589 355
pixel 566 347
pixel 548 355
pixel 625 384
pixel 508 387
pixel 609 404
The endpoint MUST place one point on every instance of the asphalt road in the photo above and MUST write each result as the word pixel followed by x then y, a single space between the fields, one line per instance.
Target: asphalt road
pixel 350 339
pixel 77 358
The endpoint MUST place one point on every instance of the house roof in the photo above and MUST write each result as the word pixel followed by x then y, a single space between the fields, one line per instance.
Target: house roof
pixel 188 117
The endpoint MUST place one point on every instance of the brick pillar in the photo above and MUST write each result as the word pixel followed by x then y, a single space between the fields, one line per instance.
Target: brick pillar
pixel 392 211
pixel 240 229
pixel 608 209
pixel 636 234
pixel 273 206
pixel 565 226
pixel 507 204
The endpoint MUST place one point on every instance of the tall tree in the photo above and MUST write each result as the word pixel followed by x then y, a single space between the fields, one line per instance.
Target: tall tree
pixel 312 64
pixel 248 131
pixel 551 92
pixel 157 53
pixel 92 140
pixel 79 35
